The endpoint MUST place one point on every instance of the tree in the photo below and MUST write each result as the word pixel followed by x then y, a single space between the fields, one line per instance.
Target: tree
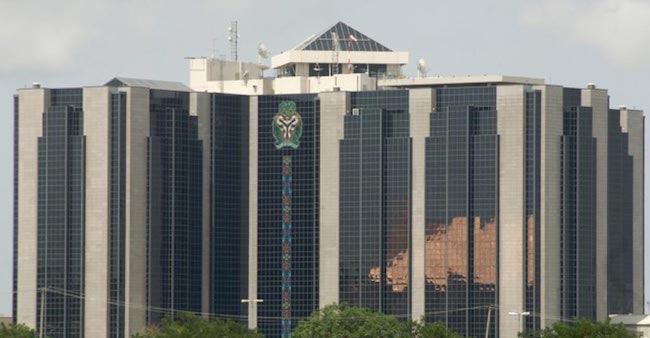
pixel 17 331
pixel 188 325
pixel 345 321
pixel 581 329
pixel 435 330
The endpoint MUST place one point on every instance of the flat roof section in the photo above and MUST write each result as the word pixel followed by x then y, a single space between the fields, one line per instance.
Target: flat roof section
pixel 458 80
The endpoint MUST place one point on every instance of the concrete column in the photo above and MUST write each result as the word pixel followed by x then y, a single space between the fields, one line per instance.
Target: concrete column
pixel 33 103
pixel 511 129
pixel 96 107
pixel 599 101
pixel 200 106
pixel 421 103
pixel 633 123
pixel 551 132
pixel 135 269
pixel 332 111
pixel 252 210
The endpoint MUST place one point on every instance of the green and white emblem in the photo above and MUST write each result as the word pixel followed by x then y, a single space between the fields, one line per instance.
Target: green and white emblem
pixel 287 126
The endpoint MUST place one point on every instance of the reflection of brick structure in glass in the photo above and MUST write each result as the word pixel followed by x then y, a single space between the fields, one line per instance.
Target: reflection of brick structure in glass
pixel 530 252
pixel 484 241
pixel 397 258
pixel 452 242
pixel 461 209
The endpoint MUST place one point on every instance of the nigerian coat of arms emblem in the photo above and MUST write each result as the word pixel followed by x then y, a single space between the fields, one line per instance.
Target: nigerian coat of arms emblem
pixel 287 126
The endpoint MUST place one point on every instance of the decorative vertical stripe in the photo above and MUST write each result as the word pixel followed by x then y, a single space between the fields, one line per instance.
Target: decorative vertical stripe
pixel 286 246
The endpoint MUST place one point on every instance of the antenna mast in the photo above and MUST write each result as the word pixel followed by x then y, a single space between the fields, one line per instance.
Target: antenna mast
pixel 233 37
pixel 336 46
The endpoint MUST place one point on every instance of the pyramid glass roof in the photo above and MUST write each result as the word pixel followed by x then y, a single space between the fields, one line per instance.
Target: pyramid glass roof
pixel 349 38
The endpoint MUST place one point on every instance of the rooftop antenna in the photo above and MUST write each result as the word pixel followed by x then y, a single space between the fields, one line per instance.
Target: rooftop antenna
pixel 336 48
pixel 233 37
pixel 262 52
pixel 214 48
pixel 422 67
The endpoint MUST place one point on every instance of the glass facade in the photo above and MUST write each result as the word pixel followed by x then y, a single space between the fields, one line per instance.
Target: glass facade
pixel 375 200
pixel 117 215
pixel 174 206
pixel 61 215
pixel 620 292
pixel 461 194
pixel 304 214
pixel 532 205
pixel 229 204
pixel 461 210
pixel 578 205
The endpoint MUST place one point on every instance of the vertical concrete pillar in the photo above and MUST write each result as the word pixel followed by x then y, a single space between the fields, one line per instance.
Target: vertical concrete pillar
pixel 633 123
pixel 96 107
pixel 598 100
pixel 333 107
pixel 551 133
pixel 252 210
pixel 511 129
pixel 33 103
pixel 421 103
pixel 135 269
pixel 200 106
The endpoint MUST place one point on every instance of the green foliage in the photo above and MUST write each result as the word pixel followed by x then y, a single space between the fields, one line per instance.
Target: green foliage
pixel 188 325
pixel 344 321
pixel 16 331
pixel 581 329
pixel 435 330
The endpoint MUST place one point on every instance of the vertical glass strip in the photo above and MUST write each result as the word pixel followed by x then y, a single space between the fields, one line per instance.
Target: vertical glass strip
pixel 286 246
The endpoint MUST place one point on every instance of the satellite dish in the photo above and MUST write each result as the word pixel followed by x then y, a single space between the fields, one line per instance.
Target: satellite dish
pixel 422 67
pixel 262 52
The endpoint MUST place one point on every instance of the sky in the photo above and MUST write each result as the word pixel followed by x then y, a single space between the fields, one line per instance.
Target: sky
pixel 79 43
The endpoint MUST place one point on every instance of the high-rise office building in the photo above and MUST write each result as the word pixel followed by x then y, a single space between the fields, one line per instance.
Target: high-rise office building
pixel 493 203
pixel 108 200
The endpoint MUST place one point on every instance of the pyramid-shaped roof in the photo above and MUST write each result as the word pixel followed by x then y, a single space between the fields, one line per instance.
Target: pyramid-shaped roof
pixel 347 36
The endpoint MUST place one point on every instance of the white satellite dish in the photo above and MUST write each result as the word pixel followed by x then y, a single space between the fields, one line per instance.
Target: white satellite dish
pixel 262 52
pixel 422 67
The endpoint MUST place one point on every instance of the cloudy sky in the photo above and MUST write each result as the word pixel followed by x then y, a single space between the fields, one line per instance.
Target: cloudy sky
pixel 76 43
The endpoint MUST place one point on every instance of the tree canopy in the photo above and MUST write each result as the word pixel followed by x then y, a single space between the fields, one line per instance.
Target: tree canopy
pixel 581 329
pixel 188 325
pixel 347 321
pixel 434 330
pixel 17 331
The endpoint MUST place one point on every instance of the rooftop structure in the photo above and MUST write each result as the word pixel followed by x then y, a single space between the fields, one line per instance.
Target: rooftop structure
pixel 636 324
pixel 415 82
pixel 151 84
pixel 340 49
pixel 338 58
pixel 6 320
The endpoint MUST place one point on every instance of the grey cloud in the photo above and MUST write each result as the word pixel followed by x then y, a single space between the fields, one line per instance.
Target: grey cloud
pixel 42 35
pixel 620 29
